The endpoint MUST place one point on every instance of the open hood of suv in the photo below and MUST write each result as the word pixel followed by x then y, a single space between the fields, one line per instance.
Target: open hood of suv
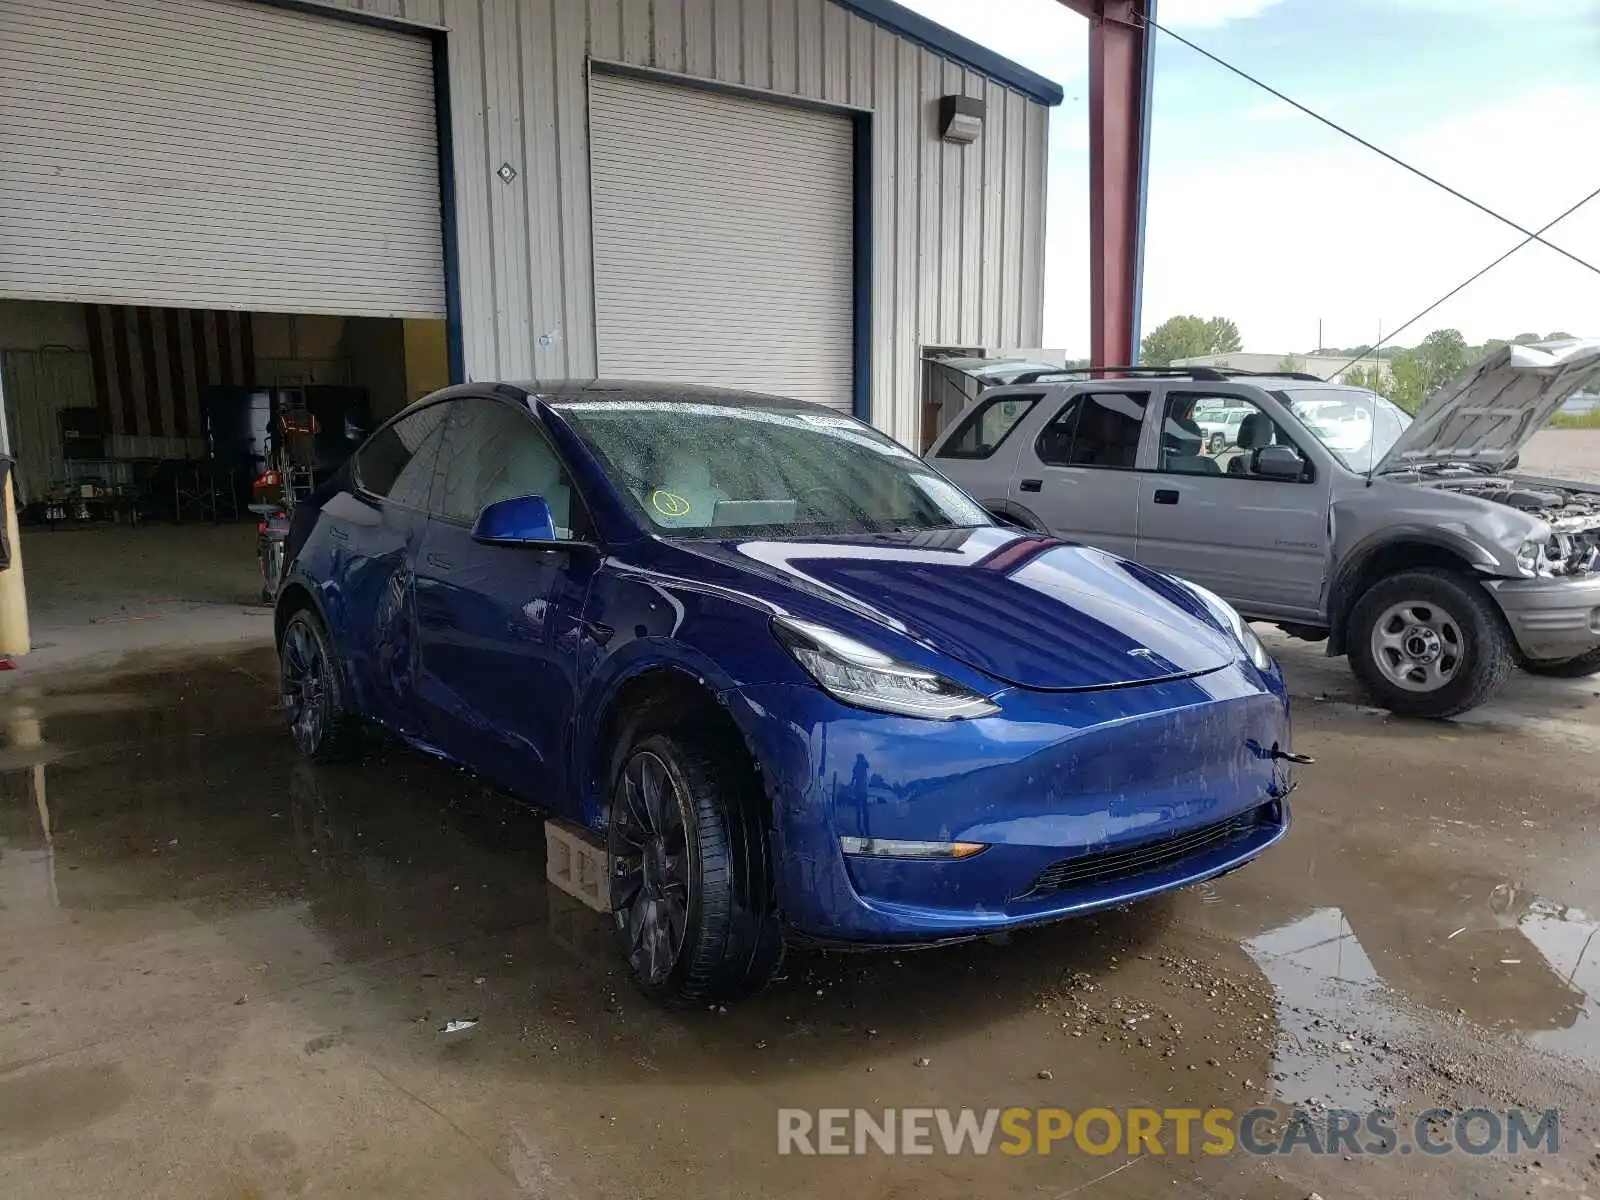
pixel 1490 412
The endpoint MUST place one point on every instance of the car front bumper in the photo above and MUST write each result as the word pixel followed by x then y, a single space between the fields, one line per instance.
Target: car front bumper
pixel 1551 619
pixel 1082 800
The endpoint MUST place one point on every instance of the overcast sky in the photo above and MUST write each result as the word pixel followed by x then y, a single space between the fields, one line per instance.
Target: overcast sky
pixel 1260 214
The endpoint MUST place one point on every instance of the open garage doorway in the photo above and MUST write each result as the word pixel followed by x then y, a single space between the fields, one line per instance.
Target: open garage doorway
pixel 141 435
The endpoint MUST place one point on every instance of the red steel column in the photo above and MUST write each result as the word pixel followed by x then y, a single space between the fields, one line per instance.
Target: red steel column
pixel 1118 45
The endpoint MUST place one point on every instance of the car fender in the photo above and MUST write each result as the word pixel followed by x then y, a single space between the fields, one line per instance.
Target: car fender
pixel 638 623
pixel 1354 562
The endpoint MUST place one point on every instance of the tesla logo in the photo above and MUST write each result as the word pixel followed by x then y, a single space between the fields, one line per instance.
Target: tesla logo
pixel 1145 652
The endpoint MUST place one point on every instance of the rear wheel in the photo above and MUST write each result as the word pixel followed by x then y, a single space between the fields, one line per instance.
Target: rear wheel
pixel 1218 443
pixel 1428 643
pixel 691 878
pixel 1565 668
pixel 322 727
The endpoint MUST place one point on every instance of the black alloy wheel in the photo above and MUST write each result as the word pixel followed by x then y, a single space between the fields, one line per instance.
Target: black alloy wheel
pixel 650 867
pixel 309 684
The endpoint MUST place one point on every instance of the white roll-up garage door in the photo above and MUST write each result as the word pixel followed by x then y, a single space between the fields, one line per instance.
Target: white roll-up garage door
pixel 217 154
pixel 722 240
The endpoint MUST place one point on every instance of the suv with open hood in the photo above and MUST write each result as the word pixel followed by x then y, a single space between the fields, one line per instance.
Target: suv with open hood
pixel 1414 547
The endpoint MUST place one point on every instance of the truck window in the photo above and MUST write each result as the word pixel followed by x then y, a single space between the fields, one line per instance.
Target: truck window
pixel 983 429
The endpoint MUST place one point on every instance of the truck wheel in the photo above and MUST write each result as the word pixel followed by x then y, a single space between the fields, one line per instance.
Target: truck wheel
pixel 1218 443
pixel 1428 643
pixel 1565 668
pixel 691 872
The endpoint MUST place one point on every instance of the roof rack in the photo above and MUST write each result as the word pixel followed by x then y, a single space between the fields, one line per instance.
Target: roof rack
pixel 1202 374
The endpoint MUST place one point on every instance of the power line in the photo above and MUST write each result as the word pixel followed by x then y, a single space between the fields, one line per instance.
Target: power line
pixel 1379 150
pixel 1466 283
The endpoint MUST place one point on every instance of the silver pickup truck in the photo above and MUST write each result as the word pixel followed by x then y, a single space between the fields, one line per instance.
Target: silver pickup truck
pixel 1413 547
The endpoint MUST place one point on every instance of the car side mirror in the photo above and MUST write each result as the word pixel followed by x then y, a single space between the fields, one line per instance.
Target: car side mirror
pixel 519 521
pixel 1279 462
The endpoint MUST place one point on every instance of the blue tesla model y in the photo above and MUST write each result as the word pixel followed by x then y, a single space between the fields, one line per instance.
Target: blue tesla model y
pixel 803 685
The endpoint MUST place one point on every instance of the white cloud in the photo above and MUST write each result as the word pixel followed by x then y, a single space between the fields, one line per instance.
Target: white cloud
pixel 1043 35
pixel 1334 233
pixel 1206 14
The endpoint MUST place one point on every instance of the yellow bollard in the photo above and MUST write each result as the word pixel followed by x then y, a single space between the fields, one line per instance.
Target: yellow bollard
pixel 13 599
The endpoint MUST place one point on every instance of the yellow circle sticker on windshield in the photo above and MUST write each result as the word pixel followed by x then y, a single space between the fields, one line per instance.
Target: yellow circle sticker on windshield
pixel 669 504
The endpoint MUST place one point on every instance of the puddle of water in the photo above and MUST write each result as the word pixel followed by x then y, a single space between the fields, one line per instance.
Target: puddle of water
pixel 1333 1021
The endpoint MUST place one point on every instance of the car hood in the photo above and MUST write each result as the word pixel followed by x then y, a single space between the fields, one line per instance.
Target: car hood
pixel 1489 413
pixel 1026 610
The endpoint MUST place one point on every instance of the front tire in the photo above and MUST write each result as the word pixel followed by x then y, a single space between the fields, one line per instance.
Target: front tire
pixel 1218 444
pixel 1428 643
pixel 691 874
pixel 312 689
pixel 1580 667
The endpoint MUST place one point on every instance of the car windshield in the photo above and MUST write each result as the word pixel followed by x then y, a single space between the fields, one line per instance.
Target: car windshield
pixel 1357 426
pixel 715 470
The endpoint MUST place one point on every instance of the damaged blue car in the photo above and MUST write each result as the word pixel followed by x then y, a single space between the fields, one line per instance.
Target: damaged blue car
pixel 800 683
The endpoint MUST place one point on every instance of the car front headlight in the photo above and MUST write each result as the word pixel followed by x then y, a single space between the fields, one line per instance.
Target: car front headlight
pixel 1236 624
pixel 857 674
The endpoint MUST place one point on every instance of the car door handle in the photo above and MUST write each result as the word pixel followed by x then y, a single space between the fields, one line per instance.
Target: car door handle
pixel 440 561
pixel 1166 495
pixel 1031 485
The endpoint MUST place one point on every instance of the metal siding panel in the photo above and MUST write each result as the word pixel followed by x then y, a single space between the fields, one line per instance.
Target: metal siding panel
pixel 574 347
pixel 1016 135
pixel 542 267
pixel 835 54
pixel 930 83
pixel 970 217
pixel 243 156
pixel 952 168
pixel 668 35
pixel 699 47
pixel 863 77
pixel 605 29
pixel 473 177
pixel 784 39
pixel 757 43
pixel 728 32
pixel 991 264
pixel 722 240
pixel 503 113
pixel 808 48
pixel 1034 187
pixel 888 204
pixel 636 24
pixel 909 271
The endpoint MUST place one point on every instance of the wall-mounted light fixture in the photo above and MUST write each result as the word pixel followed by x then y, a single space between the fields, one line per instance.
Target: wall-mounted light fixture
pixel 960 119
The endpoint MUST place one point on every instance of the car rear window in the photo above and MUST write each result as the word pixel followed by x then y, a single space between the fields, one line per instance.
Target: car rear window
pixel 983 429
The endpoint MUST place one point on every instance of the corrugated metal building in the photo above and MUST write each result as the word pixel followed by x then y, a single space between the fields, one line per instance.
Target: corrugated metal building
pixel 750 192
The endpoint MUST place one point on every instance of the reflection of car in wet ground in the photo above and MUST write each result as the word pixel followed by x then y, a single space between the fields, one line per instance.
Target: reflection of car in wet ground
pixel 800 680
pixel 1409 546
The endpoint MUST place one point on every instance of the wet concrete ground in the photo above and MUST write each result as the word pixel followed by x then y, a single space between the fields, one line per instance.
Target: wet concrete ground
pixel 223 973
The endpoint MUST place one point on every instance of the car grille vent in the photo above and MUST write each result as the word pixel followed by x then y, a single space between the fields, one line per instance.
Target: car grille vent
pixel 1146 856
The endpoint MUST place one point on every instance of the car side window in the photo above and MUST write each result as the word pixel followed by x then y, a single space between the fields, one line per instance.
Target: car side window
pixel 397 461
pixel 1095 429
pixel 1215 435
pixel 983 429
pixel 494 452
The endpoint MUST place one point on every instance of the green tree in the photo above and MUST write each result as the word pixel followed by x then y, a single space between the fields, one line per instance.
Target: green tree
pixel 1559 337
pixel 1527 339
pixel 1372 378
pixel 1410 380
pixel 1289 364
pixel 1188 337
pixel 1446 352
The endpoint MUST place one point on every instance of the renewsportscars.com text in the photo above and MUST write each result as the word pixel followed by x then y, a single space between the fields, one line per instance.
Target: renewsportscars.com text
pixel 1181 1131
